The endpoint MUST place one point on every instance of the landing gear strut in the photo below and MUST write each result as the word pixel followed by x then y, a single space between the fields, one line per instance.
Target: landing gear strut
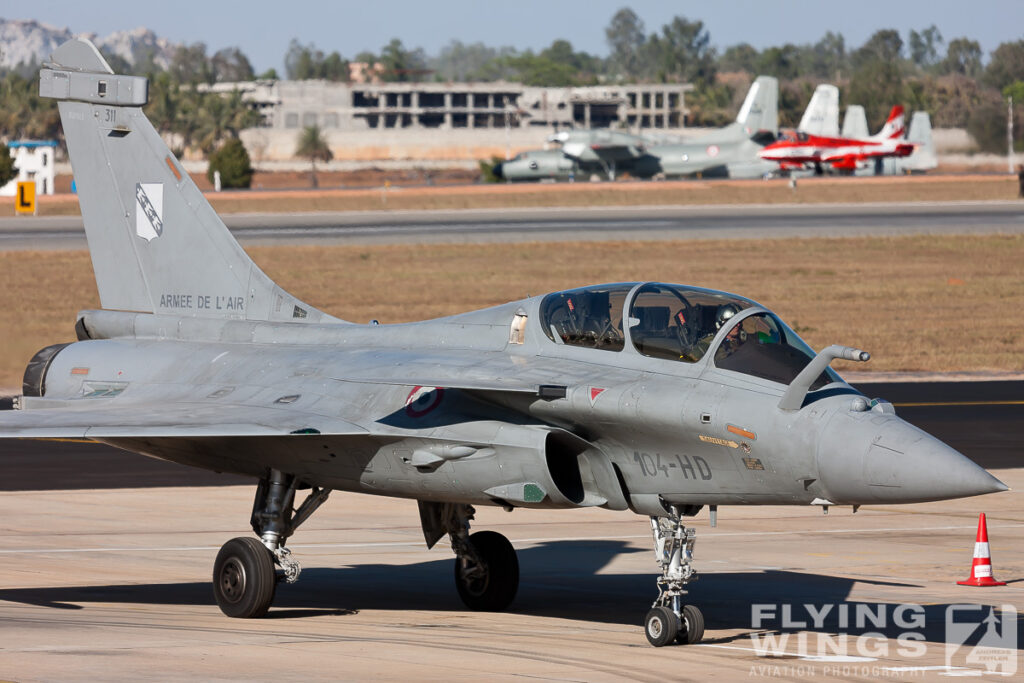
pixel 486 566
pixel 244 579
pixel 669 620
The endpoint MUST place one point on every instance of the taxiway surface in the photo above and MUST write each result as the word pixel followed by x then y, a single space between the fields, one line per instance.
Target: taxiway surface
pixel 600 223
pixel 114 585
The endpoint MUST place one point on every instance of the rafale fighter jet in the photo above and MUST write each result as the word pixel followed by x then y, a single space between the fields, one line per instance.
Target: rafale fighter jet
pixel 655 398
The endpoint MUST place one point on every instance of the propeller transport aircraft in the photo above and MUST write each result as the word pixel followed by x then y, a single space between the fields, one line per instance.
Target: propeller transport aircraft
pixel 655 398
pixel 729 152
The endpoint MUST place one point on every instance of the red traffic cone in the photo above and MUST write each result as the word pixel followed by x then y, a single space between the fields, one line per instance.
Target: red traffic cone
pixel 981 568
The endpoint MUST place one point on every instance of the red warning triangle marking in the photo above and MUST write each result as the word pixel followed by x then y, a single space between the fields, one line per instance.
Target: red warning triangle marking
pixel 594 393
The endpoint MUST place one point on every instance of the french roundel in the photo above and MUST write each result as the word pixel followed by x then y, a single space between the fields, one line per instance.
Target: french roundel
pixel 712 150
pixel 422 400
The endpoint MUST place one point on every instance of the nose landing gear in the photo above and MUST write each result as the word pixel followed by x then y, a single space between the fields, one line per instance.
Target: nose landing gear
pixel 669 620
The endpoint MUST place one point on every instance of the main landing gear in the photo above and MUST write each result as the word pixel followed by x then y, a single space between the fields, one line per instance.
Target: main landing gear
pixel 486 566
pixel 669 620
pixel 244 578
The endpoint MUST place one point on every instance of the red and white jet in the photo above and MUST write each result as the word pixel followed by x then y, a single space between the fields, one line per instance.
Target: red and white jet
pixel 798 149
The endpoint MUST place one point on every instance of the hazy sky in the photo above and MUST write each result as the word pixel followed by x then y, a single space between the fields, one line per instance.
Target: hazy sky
pixel 263 29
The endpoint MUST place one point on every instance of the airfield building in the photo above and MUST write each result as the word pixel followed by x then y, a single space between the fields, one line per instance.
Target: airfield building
pixel 424 106
pixel 444 124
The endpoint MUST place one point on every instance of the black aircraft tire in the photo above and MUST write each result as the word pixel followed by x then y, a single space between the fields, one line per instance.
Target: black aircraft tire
pixel 692 629
pixel 243 578
pixel 496 589
pixel 660 626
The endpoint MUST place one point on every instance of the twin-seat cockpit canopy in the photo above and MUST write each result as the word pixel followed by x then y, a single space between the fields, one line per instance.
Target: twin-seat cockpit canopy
pixel 681 324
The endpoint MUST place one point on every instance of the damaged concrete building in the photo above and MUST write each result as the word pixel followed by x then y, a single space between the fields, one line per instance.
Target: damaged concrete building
pixel 454 121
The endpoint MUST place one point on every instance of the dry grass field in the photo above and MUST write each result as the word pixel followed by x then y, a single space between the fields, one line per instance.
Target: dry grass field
pixel 922 303
pixel 808 191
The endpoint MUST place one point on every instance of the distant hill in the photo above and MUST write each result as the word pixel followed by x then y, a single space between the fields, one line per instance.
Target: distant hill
pixel 26 42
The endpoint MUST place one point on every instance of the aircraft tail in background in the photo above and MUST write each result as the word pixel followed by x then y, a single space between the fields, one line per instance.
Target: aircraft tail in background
pixel 894 125
pixel 924 157
pixel 760 110
pixel 822 114
pixel 855 123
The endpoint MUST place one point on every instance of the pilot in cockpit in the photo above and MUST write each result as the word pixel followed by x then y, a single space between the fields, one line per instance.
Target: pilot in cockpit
pixel 734 338
pixel 723 314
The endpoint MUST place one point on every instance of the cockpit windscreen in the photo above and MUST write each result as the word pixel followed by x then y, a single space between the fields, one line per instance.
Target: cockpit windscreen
pixel 763 346
pixel 588 316
pixel 679 323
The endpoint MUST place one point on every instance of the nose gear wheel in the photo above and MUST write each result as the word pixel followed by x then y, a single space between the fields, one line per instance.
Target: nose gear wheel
pixel 669 620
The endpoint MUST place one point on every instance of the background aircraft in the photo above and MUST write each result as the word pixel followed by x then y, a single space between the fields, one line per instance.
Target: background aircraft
pixel 730 151
pixel 581 153
pixel 919 132
pixel 655 398
pixel 606 153
pixel 800 150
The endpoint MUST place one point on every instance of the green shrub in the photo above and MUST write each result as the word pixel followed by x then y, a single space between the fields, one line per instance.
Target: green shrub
pixel 233 163
pixel 487 169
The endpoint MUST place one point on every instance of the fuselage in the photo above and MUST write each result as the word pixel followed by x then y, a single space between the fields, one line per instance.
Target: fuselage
pixel 453 410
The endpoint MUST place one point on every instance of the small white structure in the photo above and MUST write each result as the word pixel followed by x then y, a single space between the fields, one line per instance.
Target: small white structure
pixel 34 160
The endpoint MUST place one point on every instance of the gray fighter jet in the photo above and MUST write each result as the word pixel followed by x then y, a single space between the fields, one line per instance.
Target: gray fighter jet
pixel 655 398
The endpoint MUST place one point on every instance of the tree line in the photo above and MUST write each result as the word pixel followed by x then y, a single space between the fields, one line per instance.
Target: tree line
pixel 947 78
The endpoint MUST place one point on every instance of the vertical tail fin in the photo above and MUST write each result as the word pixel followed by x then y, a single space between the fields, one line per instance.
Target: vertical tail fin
pixel 894 125
pixel 822 114
pixel 855 123
pixel 920 133
pixel 156 243
pixel 760 110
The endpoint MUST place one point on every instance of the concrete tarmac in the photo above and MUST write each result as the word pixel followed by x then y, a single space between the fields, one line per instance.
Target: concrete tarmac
pixel 114 585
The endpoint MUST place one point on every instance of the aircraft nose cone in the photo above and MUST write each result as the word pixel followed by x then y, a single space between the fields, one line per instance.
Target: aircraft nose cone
pixel 498 171
pixel 928 469
pixel 891 461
